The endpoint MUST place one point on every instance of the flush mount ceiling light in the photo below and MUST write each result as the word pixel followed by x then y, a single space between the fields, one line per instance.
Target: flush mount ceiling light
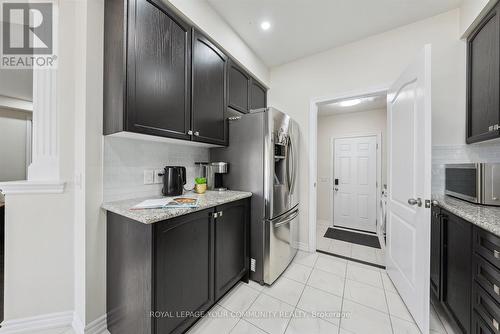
pixel 350 103
pixel 265 25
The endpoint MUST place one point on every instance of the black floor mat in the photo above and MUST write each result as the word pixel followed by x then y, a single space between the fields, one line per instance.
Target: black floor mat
pixel 353 237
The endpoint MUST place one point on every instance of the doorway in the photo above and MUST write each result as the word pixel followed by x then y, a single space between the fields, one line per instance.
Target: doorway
pixel 355 183
pixel 351 176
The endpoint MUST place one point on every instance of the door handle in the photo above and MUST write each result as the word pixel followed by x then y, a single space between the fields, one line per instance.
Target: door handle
pixel 417 201
pixel 287 220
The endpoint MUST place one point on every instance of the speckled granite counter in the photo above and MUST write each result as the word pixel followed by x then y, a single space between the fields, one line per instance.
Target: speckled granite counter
pixel 486 217
pixel 149 216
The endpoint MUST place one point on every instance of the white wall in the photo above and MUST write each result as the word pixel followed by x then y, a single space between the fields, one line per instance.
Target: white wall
pixel 39 253
pixel 13 140
pixel 373 62
pixel 205 17
pixel 126 159
pixel 335 126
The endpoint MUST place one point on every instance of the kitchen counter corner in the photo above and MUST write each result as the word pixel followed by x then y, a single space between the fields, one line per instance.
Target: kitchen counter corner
pixel 485 217
pixel 149 216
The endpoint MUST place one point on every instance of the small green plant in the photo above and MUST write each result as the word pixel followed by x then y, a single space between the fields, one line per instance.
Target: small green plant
pixel 200 180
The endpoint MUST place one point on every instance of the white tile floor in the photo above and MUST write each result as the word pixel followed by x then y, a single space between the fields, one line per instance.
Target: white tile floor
pixel 360 252
pixel 310 297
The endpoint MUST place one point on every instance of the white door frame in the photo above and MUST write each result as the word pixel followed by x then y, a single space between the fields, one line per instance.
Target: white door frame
pixel 313 147
pixel 378 135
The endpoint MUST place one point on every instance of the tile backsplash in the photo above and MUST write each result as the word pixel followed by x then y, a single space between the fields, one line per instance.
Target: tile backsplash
pixel 455 154
pixel 126 159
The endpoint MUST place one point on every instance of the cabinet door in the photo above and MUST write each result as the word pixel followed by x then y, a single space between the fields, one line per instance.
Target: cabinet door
pixel 231 245
pixel 238 88
pixel 209 91
pixel 458 267
pixel 184 264
pixel 258 96
pixel 483 103
pixel 436 252
pixel 158 71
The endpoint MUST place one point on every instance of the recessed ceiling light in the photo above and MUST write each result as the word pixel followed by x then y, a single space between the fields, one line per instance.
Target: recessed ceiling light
pixel 265 25
pixel 350 103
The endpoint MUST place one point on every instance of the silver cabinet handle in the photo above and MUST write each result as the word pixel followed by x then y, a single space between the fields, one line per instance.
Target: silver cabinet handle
pixel 495 323
pixel 234 118
pixel 190 132
pixel 496 254
pixel 413 201
pixel 496 289
pixel 197 133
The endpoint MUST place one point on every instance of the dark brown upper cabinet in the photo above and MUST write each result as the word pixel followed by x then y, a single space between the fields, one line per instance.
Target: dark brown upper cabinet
pixel 209 100
pixel 238 88
pixel 483 79
pixel 147 69
pixel 258 95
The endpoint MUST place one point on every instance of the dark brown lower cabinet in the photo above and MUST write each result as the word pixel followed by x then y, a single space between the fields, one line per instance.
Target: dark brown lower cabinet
pixel 436 252
pixel 162 277
pixel 468 272
pixel 184 262
pixel 458 269
pixel 231 246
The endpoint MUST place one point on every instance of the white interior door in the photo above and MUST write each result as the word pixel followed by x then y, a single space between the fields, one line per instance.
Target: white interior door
pixel 409 178
pixel 355 195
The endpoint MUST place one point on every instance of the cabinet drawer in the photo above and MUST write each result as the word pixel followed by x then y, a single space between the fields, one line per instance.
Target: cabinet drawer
pixel 487 245
pixel 480 326
pixel 487 276
pixel 487 308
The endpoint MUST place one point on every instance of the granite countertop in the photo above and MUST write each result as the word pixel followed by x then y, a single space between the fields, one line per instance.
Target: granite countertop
pixel 486 217
pixel 149 216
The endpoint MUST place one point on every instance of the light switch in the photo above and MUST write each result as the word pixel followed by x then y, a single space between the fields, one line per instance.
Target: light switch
pixel 148 176
pixel 157 178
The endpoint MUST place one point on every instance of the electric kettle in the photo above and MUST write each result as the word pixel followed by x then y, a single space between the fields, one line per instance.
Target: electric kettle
pixel 174 179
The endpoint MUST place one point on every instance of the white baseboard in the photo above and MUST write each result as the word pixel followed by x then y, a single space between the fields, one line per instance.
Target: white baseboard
pixel 38 323
pixel 303 246
pixel 98 326
pixel 60 320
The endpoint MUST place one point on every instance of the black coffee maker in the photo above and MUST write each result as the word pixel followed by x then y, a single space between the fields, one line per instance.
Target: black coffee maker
pixel 174 179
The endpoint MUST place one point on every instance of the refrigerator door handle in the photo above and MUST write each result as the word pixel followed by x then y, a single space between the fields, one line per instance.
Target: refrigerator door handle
pixel 292 158
pixel 285 220
pixel 288 159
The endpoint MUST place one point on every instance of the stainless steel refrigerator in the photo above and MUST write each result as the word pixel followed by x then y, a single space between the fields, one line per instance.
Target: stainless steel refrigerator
pixel 263 159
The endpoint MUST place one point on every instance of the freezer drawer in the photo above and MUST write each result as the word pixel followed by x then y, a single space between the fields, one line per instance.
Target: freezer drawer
pixel 281 244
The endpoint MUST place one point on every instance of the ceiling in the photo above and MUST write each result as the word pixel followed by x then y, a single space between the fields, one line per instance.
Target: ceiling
pixel 366 104
pixel 301 28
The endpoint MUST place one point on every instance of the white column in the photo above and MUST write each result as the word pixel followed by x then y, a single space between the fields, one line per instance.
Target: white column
pixel 45 161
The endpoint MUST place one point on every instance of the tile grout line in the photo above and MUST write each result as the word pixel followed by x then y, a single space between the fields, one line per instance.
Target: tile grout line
pixel 304 287
pixel 387 304
pixel 260 293
pixel 343 297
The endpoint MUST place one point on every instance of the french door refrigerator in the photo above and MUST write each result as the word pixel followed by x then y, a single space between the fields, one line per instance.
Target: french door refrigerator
pixel 263 159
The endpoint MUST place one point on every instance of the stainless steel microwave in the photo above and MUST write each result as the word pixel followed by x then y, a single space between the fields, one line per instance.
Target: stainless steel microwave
pixel 474 182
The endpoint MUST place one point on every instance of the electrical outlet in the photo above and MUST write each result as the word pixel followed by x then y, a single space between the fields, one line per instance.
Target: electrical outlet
pixel 148 176
pixel 157 177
